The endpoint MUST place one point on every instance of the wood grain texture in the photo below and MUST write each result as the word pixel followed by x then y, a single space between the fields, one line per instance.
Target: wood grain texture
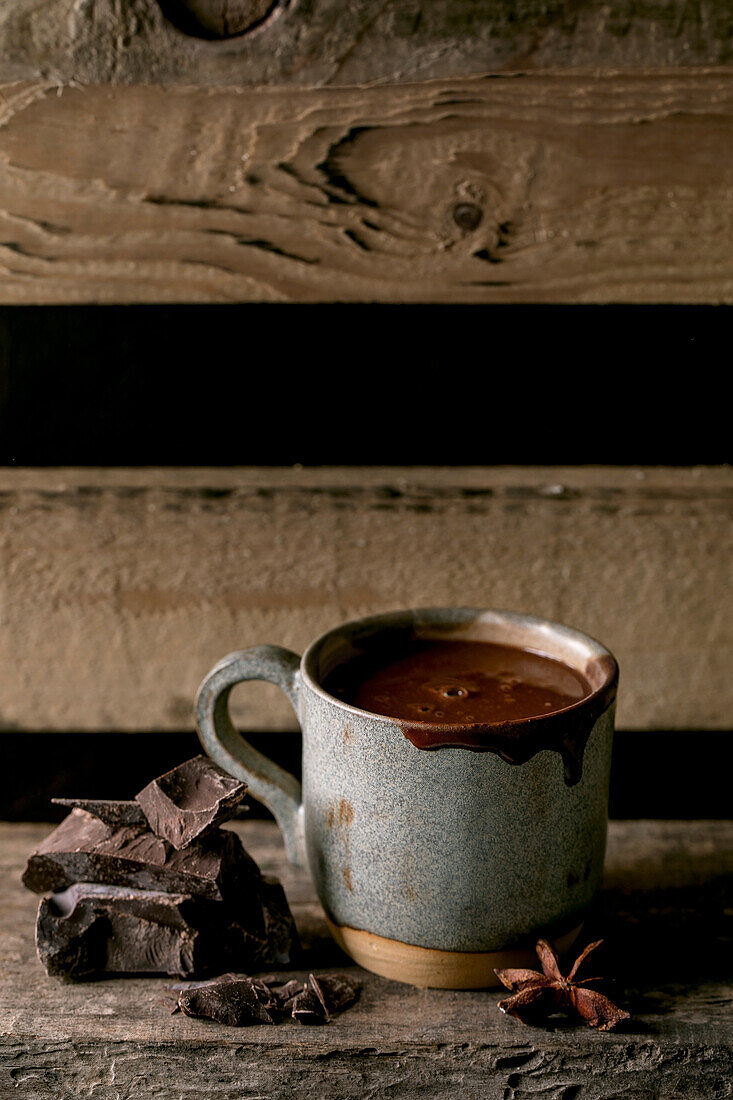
pixel 661 908
pixel 524 188
pixel 120 588
pixel 318 42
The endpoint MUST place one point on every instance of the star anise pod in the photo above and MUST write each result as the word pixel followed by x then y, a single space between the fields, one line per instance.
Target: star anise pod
pixel 537 995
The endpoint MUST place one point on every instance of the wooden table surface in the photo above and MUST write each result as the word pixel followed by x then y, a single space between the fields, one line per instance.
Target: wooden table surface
pixel 665 909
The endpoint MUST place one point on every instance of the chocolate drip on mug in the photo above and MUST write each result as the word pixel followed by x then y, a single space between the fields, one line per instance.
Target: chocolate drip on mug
pixel 484 697
pixel 565 732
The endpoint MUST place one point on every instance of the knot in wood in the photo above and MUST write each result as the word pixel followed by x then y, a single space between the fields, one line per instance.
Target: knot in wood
pixel 467 215
pixel 217 18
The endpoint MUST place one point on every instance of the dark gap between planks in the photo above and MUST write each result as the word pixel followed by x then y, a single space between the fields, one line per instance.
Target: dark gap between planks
pixel 420 385
pixel 680 774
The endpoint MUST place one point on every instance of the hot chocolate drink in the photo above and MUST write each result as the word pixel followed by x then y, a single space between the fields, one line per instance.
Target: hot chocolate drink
pixel 478 695
pixel 467 682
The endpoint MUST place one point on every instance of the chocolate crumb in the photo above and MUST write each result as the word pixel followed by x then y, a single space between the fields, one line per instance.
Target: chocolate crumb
pixel 308 1009
pixel 236 1003
pixel 336 992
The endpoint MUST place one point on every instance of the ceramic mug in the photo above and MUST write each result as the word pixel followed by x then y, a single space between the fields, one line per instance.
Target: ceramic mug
pixel 433 867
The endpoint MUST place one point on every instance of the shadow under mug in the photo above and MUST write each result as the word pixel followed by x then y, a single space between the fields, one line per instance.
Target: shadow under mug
pixel 433 867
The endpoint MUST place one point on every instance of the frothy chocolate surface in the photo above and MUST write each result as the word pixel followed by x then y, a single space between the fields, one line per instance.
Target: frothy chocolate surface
pixel 469 682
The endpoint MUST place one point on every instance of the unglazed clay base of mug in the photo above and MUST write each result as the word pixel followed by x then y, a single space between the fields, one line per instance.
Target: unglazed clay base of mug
pixel 430 968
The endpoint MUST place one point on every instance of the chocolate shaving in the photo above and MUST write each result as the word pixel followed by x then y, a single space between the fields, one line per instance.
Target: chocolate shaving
pixel 238 1000
pixel 336 992
pixel 234 1002
pixel 324 996
pixel 308 1009
pixel 190 800
pixel 268 997
pixel 286 995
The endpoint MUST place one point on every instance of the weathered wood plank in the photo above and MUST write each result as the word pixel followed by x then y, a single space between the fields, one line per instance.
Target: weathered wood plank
pixel 326 41
pixel 665 889
pixel 121 587
pixel 551 188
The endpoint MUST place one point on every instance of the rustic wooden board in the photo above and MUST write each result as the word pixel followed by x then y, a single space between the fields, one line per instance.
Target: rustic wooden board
pixel 120 588
pixel 326 41
pixel 559 187
pixel 666 887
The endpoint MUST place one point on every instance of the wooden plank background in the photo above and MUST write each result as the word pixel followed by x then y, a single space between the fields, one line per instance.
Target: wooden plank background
pixel 119 588
pixel 553 187
pixel 322 42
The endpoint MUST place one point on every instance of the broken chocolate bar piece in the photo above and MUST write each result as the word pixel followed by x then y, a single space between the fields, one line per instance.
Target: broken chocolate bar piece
pixel 91 929
pixel 112 813
pixel 280 933
pixel 268 998
pixel 322 997
pixel 70 944
pixel 232 1001
pixel 188 801
pixel 286 995
pixel 85 849
pixel 237 1000
pixel 335 991
pixel 307 1008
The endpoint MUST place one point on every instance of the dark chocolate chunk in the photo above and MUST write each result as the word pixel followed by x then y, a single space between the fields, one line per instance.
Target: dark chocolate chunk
pixel 268 998
pixel 286 995
pixel 289 990
pixel 335 991
pixel 190 800
pixel 85 849
pixel 233 1002
pixel 307 1008
pixel 110 812
pixel 92 929
pixel 280 933
pixel 269 933
pixel 237 1000
pixel 70 942
pixel 283 993
pixel 253 912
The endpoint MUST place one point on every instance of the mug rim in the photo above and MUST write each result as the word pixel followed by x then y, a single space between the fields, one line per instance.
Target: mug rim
pixel 445 616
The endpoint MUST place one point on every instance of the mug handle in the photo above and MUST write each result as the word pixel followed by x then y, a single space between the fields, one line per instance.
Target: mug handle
pixel 270 784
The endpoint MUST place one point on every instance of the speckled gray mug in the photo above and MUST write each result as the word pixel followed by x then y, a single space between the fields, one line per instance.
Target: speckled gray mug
pixel 433 867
